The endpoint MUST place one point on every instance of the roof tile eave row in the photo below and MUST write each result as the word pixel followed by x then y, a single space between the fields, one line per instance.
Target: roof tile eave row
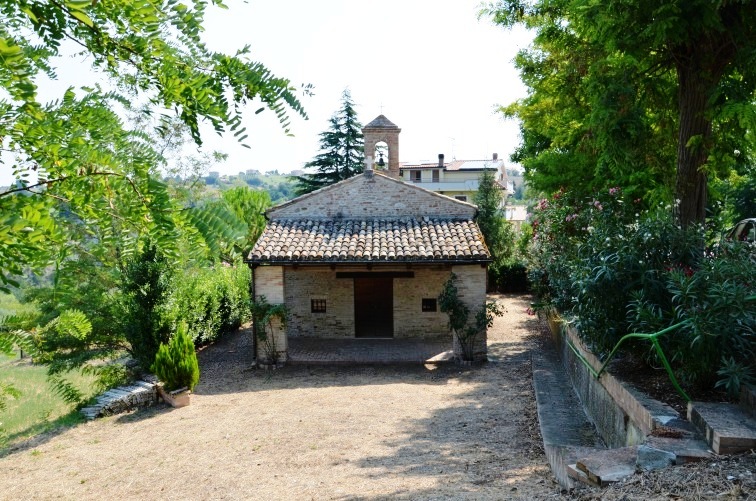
pixel 391 240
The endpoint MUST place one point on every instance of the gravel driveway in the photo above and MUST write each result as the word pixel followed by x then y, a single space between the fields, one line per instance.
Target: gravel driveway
pixel 349 432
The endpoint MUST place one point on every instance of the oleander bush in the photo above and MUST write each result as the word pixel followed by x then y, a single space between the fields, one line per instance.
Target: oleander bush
pixel 612 267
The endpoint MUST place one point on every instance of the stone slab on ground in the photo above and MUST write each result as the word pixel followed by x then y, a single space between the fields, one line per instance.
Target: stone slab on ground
pixel 686 449
pixel 727 428
pixel 122 399
pixel 611 465
pixel 651 458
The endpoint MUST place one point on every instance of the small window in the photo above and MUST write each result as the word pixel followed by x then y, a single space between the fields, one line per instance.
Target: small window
pixel 435 176
pixel 416 176
pixel 429 304
pixel 462 198
pixel 318 305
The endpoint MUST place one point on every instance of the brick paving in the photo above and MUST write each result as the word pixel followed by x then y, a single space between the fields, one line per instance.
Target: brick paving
pixel 369 351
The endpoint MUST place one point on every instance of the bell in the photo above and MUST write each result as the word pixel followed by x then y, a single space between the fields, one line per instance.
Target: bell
pixel 381 163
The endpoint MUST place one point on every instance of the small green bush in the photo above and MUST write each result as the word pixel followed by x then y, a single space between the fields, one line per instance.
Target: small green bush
pixel 466 331
pixel 176 363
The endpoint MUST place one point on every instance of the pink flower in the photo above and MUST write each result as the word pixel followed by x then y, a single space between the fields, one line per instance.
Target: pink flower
pixel 614 191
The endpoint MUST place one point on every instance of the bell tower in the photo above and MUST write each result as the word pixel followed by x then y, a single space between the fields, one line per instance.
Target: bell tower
pixel 383 130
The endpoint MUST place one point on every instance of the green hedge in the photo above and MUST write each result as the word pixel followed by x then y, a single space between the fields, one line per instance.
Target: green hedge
pixel 210 300
pixel 508 277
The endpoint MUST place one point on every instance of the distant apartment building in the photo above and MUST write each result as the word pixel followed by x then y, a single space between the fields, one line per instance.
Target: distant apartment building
pixel 457 179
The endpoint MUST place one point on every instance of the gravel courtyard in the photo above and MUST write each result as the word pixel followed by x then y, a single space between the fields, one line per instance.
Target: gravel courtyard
pixel 351 432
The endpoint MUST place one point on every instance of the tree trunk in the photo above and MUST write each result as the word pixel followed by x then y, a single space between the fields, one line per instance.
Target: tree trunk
pixel 691 187
pixel 700 67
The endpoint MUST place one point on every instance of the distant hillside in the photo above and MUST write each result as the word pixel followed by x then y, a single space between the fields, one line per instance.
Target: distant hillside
pixel 279 186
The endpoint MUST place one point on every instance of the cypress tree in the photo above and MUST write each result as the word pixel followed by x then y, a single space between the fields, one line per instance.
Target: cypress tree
pixel 342 150
pixel 176 363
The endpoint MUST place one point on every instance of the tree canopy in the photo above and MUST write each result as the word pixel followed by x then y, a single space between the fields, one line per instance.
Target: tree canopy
pixel 645 94
pixel 79 166
pixel 88 193
pixel 496 230
pixel 342 150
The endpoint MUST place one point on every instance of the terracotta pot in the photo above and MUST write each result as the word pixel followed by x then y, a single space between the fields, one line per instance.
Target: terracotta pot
pixel 176 398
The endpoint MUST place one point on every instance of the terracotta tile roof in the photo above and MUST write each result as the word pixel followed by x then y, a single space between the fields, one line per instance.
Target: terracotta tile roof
pixel 376 240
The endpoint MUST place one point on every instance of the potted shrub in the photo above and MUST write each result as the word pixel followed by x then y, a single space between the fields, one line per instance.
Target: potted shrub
pixel 177 368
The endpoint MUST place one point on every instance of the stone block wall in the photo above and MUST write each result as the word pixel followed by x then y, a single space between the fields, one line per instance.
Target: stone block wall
pixel 269 282
pixel 366 196
pixel 304 284
pixel 319 282
pixel 471 288
pixel 409 318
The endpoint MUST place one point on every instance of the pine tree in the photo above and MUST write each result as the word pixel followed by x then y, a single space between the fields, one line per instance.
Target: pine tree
pixel 342 150
pixel 495 229
pixel 176 363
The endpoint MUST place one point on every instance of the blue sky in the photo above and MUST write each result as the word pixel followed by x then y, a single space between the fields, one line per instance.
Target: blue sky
pixel 431 67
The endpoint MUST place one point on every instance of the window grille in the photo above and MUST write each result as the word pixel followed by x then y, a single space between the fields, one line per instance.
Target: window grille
pixel 318 305
pixel 429 304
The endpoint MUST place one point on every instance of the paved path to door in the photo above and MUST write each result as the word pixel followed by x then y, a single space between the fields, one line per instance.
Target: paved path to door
pixel 365 432
pixel 369 351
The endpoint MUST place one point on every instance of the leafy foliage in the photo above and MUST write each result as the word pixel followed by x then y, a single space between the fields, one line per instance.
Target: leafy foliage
pixel 249 206
pixel 612 271
pixel 611 83
pixel 176 363
pixel 497 232
pixel 12 337
pixel 267 317
pixel 92 171
pixel 465 330
pixel 342 150
pixel 145 286
pixel 65 344
pixel 210 300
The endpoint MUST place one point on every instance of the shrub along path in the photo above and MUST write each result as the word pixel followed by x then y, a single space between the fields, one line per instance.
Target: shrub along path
pixel 346 432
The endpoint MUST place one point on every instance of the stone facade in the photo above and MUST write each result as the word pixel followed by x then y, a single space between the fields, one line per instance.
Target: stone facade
pixel 372 196
pixel 269 283
pixel 396 237
pixel 306 283
pixel 298 286
pixel 473 294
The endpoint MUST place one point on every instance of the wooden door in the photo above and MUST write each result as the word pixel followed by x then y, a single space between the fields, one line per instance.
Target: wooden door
pixel 374 307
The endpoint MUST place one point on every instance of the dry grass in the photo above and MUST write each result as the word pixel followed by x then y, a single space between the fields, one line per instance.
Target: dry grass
pixel 368 432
